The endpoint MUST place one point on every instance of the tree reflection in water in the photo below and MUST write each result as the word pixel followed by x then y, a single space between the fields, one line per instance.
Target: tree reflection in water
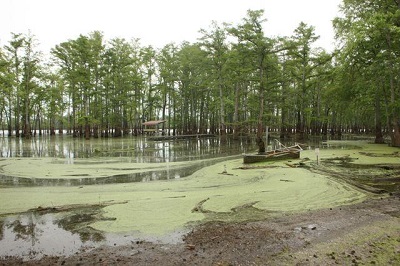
pixel 25 228
pixel 34 234
pixel 139 149
pixel 79 223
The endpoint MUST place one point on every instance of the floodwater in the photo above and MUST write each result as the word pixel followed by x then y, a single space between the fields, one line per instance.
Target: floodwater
pixel 30 234
pixel 61 195
pixel 138 149
pixel 65 150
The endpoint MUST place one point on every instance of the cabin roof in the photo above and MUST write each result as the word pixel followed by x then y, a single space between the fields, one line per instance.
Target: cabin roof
pixel 153 122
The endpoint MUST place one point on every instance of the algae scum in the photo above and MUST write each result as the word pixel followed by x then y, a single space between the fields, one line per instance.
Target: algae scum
pixel 69 195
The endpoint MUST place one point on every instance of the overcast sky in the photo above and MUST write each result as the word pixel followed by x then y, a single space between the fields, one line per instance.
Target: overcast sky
pixel 157 22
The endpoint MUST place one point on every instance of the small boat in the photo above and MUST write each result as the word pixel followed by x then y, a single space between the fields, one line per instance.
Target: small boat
pixel 280 153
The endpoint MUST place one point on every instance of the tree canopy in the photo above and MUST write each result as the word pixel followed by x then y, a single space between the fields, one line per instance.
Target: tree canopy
pixel 234 80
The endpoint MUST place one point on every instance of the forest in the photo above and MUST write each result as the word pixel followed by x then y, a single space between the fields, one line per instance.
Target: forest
pixel 233 80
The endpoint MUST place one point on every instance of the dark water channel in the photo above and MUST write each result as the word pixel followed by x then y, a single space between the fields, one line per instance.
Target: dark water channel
pixel 139 149
pixel 200 152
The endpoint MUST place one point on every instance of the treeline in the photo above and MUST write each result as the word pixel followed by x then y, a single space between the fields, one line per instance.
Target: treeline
pixel 234 80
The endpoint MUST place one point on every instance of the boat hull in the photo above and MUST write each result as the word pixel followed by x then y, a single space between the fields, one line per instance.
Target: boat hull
pixel 271 156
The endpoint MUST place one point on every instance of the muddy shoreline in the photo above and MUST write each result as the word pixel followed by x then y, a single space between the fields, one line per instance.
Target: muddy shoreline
pixel 364 233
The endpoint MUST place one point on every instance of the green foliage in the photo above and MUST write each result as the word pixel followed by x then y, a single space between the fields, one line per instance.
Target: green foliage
pixel 370 34
pixel 233 78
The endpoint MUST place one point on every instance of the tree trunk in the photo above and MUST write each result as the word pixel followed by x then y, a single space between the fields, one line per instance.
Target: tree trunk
pixel 27 125
pixel 378 119
pixel 299 125
pixel 61 127
pixel 96 131
pixel 236 113
pixel 17 117
pixel 39 125
pixel 396 134
pixel 261 145
pixel 222 111
pixel 395 127
pixel 9 126
pixel 325 123
pixel 118 131
pixel 164 107
pixel 87 129
pixel 260 127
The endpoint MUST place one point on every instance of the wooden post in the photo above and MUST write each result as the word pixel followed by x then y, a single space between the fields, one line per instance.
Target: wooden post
pixel 317 154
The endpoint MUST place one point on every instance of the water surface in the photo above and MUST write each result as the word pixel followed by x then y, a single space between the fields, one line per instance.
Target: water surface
pixel 83 194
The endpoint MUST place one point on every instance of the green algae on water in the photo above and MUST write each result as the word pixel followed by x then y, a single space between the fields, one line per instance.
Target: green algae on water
pixel 164 206
pixel 160 207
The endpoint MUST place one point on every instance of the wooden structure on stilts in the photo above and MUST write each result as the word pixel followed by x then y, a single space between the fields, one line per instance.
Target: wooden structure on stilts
pixel 152 127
